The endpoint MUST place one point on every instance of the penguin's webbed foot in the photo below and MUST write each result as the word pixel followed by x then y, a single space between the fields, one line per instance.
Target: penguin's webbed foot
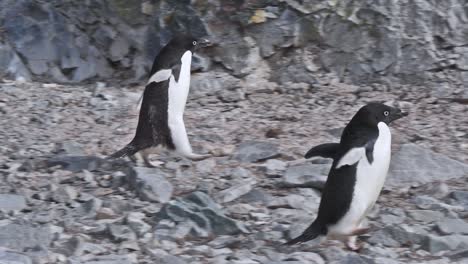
pixel 352 245
pixel 361 231
pixel 148 163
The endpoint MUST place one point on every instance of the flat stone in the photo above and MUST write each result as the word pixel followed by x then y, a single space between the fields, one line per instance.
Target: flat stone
pixel 70 148
pixel 12 202
pixel 449 226
pixel 429 203
pixel 231 95
pixel 111 259
pixel 121 233
pixel 354 259
pixel 391 219
pixel 460 196
pixel 459 254
pixel 169 259
pixel 255 196
pixel 381 260
pixel 211 83
pixel 151 184
pixel 283 262
pixel 89 208
pixel 22 236
pixel 426 215
pixel 435 244
pixel 71 246
pixel 206 166
pixel 64 194
pixel 381 237
pixel 304 257
pixel 200 209
pixel 136 223
pixel 234 192
pixel 305 175
pixel 255 151
pixel 395 236
pixel 414 165
pixel 333 253
pixel 294 201
pixel 75 163
pixel 274 167
pixel 12 257
pixel 386 252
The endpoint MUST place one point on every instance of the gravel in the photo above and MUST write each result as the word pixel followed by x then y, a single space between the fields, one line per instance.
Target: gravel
pixel 62 201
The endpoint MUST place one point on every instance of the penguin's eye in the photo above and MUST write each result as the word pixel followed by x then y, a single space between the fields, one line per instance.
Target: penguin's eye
pixel 386 113
pixel 194 43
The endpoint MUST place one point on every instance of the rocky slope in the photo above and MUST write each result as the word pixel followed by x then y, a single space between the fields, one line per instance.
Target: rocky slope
pixel 62 202
pixel 361 41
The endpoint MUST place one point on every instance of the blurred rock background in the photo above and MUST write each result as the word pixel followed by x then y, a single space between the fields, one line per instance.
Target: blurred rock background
pixel 284 76
pixel 283 41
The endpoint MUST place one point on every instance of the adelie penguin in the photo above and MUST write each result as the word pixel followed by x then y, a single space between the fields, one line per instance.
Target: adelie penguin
pixel 161 122
pixel 360 165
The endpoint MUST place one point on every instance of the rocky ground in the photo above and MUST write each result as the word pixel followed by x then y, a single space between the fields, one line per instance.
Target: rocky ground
pixel 62 202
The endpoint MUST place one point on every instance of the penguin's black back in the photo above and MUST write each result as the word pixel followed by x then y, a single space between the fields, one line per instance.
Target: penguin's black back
pixel 337 194
pixel 153 127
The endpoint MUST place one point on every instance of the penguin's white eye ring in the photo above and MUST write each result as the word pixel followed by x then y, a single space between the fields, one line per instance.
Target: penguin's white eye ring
pixel 194 43
pixel 386 113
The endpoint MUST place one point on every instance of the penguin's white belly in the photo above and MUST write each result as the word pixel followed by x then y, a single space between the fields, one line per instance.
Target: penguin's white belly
pixel 178 90
pixel 178 93
pixel 370 179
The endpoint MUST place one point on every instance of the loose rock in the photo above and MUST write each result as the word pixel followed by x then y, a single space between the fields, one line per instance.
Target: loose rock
pixel 235 191
pixel 12 202
pixel 255 151
pixel 151 184
pixel 204 212
pixel 413 165
pixel 306 175
pixel 452 226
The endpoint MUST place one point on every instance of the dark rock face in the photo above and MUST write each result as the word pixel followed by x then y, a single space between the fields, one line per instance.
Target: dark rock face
pixel 63 41
pixel 10 63
pixel 71 42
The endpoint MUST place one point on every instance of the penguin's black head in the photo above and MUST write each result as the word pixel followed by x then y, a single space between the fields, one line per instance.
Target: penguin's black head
pixel 188 42
pixel 374 113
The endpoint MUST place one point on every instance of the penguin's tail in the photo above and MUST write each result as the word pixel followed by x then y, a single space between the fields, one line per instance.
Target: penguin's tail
pixel 312 232
pixel 128 150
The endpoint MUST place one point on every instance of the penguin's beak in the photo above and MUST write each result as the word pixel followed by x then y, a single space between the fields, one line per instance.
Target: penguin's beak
pixel 398 114
pixel 204 43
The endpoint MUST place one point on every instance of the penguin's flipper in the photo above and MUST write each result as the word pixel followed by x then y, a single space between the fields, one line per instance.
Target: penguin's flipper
pixel 327 150
pixel 312 232
pixel 352 157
